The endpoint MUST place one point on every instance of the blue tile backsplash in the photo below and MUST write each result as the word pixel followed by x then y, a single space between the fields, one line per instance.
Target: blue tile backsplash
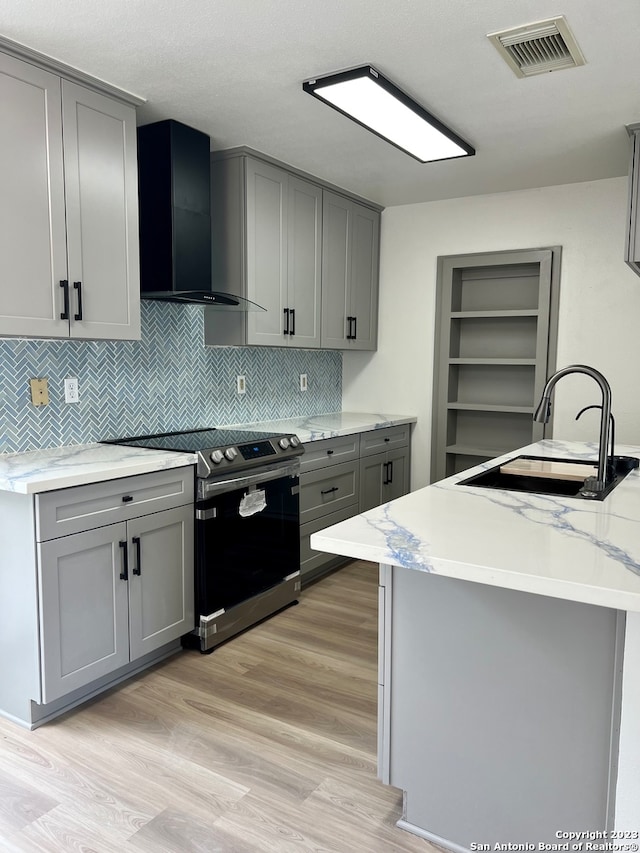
pixel 167 381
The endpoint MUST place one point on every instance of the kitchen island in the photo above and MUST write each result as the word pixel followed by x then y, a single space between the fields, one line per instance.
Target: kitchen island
pixel 509 657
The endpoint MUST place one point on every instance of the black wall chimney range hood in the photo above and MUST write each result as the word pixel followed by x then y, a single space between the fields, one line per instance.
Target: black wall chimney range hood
pixel 175 218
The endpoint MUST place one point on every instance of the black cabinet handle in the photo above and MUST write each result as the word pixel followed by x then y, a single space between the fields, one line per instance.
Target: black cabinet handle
pixel 355 328
pixel 127 499
pixel 124 574
pixel 387 438
pixel 292 311
pixel 137 569
pixel 77 285
pixel 329 491
pixel 349 335
pixel 385 473
pixel 286 322
pixel 329 452
pixel 390 473
pixel 64 284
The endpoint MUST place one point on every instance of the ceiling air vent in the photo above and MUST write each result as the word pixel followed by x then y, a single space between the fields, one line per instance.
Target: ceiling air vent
pixel 538 48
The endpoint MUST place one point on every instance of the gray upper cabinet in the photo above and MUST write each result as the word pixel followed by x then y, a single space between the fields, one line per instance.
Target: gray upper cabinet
pixel 307 255
pixel 350 255
pixel 267 234
pixel 632 252
pixel 69 208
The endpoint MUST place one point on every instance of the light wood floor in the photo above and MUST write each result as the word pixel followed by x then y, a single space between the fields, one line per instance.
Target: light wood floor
pixel 268 744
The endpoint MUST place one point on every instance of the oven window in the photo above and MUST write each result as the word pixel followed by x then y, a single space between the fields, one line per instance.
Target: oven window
pixel 251 544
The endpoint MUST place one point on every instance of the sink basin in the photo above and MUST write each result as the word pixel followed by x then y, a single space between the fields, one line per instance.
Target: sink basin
pixel 494 478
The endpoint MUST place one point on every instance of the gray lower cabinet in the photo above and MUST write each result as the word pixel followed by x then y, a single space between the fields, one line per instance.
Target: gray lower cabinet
pixel 110 588
pixel 69 236
pixel 513 698
pixel 343 476
pixel 384 466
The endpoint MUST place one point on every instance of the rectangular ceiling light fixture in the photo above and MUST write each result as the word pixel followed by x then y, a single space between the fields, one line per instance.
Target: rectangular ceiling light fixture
pixel 365 96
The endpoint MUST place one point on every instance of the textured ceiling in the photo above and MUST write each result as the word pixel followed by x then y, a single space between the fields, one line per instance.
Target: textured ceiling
pixel 234 69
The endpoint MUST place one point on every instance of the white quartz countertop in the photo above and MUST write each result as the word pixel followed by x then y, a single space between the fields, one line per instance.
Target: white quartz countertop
pixel 316 427
pixel 79 464
pixel 563 547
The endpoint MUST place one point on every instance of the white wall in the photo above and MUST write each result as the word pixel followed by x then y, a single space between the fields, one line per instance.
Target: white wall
pixel 599 302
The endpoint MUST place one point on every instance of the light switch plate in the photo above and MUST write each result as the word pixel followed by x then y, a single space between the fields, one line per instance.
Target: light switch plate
pixel 39 392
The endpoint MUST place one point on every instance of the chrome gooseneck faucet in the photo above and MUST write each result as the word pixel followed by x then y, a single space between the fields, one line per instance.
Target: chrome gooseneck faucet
pixel 543 413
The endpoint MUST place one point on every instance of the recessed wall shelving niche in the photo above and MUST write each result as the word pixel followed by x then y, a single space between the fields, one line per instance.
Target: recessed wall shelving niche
pixel 496 332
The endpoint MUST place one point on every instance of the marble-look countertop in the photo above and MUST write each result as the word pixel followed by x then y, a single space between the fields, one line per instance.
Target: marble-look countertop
pixel 79 464
pixel 316 427
pixel 563 547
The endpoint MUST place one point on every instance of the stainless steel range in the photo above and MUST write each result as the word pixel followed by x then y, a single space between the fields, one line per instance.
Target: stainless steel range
pixel 247 516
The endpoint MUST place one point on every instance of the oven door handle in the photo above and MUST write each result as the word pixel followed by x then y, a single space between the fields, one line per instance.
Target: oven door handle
pixel 228 484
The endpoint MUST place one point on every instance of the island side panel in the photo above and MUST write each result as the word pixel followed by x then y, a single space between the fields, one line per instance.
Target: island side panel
pixel 628 783
pixel 502 708
pixel 19 652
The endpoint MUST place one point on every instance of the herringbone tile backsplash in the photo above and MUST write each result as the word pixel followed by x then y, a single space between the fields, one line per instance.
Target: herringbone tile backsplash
pixel 166 381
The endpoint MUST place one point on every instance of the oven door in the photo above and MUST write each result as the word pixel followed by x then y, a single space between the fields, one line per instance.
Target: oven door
pixel 247 536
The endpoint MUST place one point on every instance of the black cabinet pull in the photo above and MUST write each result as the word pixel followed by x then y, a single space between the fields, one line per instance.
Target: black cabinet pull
pixel 285 331
pixel 329 452
pixel 390 473
pixel 355 328
pixel 329 491
pixel 77 285
pixel 387 438
pixel 292 311
pixel 137 569
pixel 385 473
pixel 127 499
pixel 349 335
pixel 124 574
pixel 64 284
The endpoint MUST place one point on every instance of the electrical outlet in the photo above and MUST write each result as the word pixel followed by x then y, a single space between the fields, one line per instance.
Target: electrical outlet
pixel 39 392
pixel 303 382
pixel 241 384
pixel 71 390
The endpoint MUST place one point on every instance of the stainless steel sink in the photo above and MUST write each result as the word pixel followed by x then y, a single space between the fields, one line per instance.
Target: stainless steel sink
pixel 493 478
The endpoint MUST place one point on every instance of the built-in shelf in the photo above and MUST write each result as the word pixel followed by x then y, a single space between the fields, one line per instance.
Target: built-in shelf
pixel 456 315
pixel 509 361
pixel 488 407
pixel 496 329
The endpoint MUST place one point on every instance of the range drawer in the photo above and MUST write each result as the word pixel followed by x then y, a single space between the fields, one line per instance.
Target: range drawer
pixel 328 490
pixel 329 451
pixel 66 511
pixel 389 438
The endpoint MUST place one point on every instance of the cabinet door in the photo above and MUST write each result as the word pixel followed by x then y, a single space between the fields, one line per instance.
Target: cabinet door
pixel 371 477
pixel 161 583
pixel 32 217
pixel 363 281
pixel 83 609
pixel 266 236
pixel 304 239
pixel 395 478
pixel 102 214
pixel 336 269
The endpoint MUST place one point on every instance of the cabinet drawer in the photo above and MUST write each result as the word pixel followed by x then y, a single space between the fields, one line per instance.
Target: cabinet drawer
pixel 377 440
pixel 328 490
pixel 79 508
pixel 329 451
pixel 311 560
